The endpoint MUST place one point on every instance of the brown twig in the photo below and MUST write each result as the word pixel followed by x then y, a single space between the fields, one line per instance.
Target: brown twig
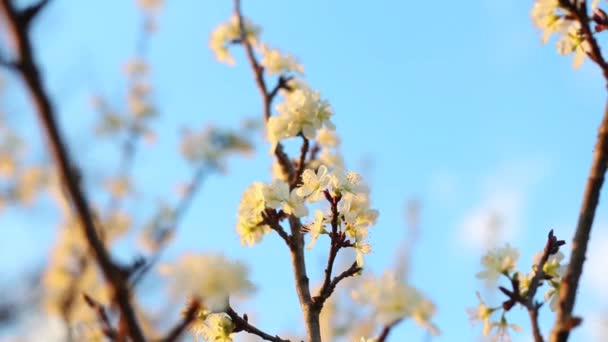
pixel 551 247
pixel 189 317
pixel 267 96
pixel 18 24
pixel 338 240
pixel 385 331
pixel 301 162
pixel 271 218
pixel 568 288
pixel 100 310
pixel 242 324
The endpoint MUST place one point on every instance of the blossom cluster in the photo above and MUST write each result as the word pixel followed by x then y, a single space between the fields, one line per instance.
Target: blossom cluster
pixel 230 32
pixel 355 214
pixel 503 262
pixel 551 17
pixel 303 111
pixel 273 60
pixel 393 300
pixel 214 327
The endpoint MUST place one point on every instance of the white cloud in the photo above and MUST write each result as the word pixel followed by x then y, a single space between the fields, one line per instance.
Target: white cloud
pixel 499 214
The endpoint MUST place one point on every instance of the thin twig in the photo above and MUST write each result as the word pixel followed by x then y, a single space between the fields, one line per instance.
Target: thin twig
pixel 301 162
pixel 242 324
pixel 100 310
pixel 568 288
pixel 189 317
pixel 272 220
pixel 385 331
pixel 18 26
pixel 178 213
pixel 551 247
pixel 267 97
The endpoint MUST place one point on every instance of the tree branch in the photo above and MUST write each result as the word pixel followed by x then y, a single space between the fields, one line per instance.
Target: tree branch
pixel 311 316
pixel 18 26
pixel 568 288
pixel 242 324
pixel 267 97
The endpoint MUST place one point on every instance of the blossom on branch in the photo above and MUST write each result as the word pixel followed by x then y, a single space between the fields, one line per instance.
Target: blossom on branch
pixel 496 262
pixel 228 33
pixel 275 62
pixel 303 111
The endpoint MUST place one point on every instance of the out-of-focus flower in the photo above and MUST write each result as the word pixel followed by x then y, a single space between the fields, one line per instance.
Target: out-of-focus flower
pixel 393 300
pixel 276 62
pixel 496 262
pixel 210 278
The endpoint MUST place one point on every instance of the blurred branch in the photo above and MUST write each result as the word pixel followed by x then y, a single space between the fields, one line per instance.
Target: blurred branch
pixel 107 329
pixel 178 213
pixel 18 24
pixel 568 288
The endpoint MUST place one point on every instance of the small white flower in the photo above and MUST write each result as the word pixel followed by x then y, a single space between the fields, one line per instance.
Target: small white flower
pixel 496 262
pixel 295 205
pixel 313 184
pixel 317 227
pixel 275 62
pixel 276 194
pixel 228 32
pixel 361 248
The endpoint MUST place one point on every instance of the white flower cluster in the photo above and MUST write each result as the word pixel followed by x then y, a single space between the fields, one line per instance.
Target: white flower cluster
pixel 502 261
pixel 303 111
pixel 275 62
pixel 392 300
pixel 228 32
pixel 213 327
pixel 354 208
pixel 551 18
pixel 210 278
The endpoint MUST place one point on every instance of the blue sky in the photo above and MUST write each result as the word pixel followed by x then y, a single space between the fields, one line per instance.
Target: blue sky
pixel 455 104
